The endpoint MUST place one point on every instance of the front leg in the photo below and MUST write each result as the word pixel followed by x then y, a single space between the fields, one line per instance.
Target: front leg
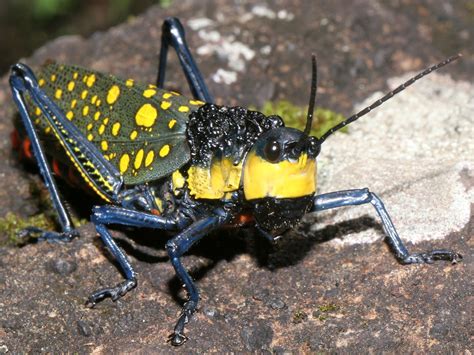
pixel 176 247
pixel 363 196
pixel 105 215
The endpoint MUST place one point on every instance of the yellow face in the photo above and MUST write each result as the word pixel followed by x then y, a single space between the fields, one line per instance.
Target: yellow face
pixel 282 179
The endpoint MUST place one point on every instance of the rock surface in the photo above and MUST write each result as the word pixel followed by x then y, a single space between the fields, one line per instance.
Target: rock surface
pixel 304 294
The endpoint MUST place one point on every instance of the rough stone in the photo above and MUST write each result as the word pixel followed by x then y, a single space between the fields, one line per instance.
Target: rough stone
pixel 257 336
pixel 415 152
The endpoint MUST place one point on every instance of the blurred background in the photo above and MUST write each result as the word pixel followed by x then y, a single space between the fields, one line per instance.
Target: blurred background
pixel 27 24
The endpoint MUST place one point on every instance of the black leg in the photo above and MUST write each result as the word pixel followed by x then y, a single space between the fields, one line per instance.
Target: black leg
pixel 173 34
pixel 104 215
pixel 101 175
pixel 362 196
pixel 19 86
pixel 176 248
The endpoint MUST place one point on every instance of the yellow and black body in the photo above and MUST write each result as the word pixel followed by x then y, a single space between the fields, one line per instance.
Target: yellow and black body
pixel 176 147
pixel 160 160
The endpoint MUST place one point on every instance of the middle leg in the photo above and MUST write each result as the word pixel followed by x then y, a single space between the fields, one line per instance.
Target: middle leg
pixel 176 248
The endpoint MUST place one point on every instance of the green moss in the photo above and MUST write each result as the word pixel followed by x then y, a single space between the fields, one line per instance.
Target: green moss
pixel 11 225
pixel 299 316
pixel 295 116
pixel 328 308
pixel 322 312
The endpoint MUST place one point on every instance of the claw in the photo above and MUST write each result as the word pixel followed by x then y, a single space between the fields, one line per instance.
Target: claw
pixel 432 256
pixel 177 339
pixel 50 236
pixel 114 293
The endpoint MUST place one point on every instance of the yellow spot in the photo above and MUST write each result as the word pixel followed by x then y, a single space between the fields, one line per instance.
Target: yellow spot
pixel 85 110
pixel 97 116
pixel 90 80
pixel 165 105
pixel 164 151
pixel 196 102
pixel 101 129
pixel 73 103
pixel 104 145
pixel 150 156
pixel 41 82
pixel 93 99
pixel 129 83
pixel 90 137
pixel 47 130
pixel 89 126
pixel 146 116
pixel 149 93
pixel 53 78
pixel 58 94
pixel 183 109
pixel 113 94
pixel 115 128
pixel 175 93
pixel 167 95
pixel 124 161
pixel 178 179
pixel 70 115
pixel 71 85
pixel 84 94
pixel 38 111
pixel 106 120
pixel 98 102
pixel 151 86
pixel 171 124
pixel 133 135
pixel 37 121
pixel 138 159
pixel 75 75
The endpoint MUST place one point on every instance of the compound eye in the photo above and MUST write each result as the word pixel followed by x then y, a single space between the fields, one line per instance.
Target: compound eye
pixel 272 151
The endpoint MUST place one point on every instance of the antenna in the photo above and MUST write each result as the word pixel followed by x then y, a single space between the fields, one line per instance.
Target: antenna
pixel 312 98
pixel 387 97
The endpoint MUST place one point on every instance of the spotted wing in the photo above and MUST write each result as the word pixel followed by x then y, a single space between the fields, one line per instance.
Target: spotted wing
pixel 140 129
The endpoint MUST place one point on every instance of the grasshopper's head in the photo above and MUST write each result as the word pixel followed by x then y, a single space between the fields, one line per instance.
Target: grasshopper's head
pixel 279 178
pixel 279 173
pixel 280 170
